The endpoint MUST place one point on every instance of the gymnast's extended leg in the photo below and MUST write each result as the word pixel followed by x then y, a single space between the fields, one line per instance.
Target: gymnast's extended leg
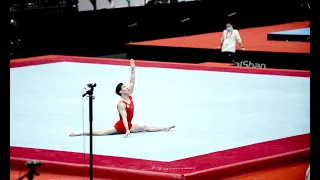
pixel 105 132
pixel 144 128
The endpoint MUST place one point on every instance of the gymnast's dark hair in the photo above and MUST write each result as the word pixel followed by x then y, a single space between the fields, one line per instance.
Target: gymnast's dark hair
pixel 118 88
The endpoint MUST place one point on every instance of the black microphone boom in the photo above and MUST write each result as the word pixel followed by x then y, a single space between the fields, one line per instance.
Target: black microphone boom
pixel 30 164
pixel 90 91
pixel 92 85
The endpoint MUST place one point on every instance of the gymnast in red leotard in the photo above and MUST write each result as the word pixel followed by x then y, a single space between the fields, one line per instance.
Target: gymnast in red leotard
pixel 129 110
pixel 126 110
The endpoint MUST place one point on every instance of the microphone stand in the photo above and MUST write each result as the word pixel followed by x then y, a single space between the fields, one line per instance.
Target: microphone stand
pixel 32 170
pixel 30 174
pixel 91 97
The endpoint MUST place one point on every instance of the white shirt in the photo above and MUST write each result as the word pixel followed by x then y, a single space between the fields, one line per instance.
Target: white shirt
pixel 229 40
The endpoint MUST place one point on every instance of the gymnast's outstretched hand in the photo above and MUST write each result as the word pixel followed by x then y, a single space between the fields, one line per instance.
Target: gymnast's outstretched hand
pixel 132 64
pixel 127 134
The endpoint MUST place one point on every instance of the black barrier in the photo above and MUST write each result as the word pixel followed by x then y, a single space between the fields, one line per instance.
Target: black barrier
pixel 279 60
pixel 103 32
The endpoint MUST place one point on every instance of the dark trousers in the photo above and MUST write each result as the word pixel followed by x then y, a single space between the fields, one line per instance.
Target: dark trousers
pixel 227 57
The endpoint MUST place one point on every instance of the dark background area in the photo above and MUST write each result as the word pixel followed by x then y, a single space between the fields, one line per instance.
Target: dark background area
pixel 105 32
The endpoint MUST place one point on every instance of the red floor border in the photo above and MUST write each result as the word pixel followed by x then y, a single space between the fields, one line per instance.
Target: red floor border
pixel 182 166
pixel 231 170
pixel 269 162
pixel 184 66
pixel 98 171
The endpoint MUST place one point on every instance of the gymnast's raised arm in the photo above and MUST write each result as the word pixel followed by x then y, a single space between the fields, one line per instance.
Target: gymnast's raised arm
pixel 132 77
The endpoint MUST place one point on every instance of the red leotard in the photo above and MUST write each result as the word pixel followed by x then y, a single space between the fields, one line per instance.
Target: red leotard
pixel 129 109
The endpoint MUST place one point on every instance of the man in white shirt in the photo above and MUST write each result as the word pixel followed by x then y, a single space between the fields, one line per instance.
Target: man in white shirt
pixel 228 41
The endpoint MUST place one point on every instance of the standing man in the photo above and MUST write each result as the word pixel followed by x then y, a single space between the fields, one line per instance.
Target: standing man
pixel 228 42
pixel 126 111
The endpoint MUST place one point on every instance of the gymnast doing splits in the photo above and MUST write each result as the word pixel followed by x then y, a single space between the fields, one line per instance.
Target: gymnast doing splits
pixel 126 110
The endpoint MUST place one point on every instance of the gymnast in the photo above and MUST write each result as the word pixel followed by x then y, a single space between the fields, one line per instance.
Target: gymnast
pixel 126 110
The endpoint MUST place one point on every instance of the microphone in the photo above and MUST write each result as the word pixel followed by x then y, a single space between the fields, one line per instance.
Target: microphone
pixel 31 164
pixel 92 85
pixel 232 14
pixel 132 25
pixel 184 20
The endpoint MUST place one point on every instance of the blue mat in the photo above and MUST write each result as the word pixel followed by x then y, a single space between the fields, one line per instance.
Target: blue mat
pixel 302 31
pixel 302 34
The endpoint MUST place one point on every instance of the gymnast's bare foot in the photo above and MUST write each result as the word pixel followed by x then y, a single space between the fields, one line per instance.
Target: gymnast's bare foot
pixel 75 134
pixel 168 128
